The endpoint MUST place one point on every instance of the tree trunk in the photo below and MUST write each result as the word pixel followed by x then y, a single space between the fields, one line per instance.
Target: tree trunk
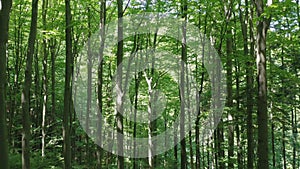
pixel 53 96
pixel 298 12
pixel 4 22
pixel 67 93
pixel 26 88
pixel 119 117
pixel 100 82
pixel 89 91
pixel 229 98
pixel 249 86
pixel 176 146
pixel 45 81
pixel 182 86
pixel 294 122
pixel 137 83
pixel 262 112
pixel 250 148
pixel 284 146
pixel 37 91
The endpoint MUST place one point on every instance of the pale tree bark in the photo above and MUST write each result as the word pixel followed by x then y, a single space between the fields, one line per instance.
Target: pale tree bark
pixel 4 23
pixel 26 88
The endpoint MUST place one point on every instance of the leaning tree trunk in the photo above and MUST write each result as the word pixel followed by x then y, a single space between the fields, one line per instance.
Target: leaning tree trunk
pixel 4 22
pixel 26 88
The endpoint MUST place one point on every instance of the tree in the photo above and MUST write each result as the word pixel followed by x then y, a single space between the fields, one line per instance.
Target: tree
pixel 67 93
pixel 262 111
pixel 4 22
pixel 249 77
pixel 233 32
pixel 26 88
pixel 182 85
pixel 45 76
pixel 100 79
pixel 119 116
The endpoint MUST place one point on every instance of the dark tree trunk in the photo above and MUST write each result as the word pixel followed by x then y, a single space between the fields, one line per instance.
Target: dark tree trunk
pixel 229 98
pixel 53 96
pixel 176 146
pixel 26 88
pixel 100 82
pixel 249 85
pixel 262 112
pixel 67 94
pixel 250 148
pixel 182 86
pixel 119 117
pixel 4 22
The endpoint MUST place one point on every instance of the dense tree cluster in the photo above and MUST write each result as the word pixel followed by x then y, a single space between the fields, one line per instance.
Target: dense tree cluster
pixel 41 42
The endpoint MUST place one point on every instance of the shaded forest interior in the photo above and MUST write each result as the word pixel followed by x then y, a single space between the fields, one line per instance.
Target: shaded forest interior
pixel 79 83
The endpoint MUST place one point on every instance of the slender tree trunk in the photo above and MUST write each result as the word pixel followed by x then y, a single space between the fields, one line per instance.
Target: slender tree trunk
pixel 26 88
pixel 272 120
pixel 45 81
pixel 197 132
pixel 89 91
pixel 4 22
pixel 229 98
pixel 284 146
pixel 250 151
pixel 229 46
pixel 262 111
pixel 16 86
pixel 119 117
pixel 176 146
pixel 237 127
pixel 298 12
pixel 284 116
pixel 53 96
pixel 216 153
pixel 137 82
pixel 37 89
pixel 182 86
pixel 189 118
pixel 67 93
pixel 100 81
pixel 36 116
pixel 249 86
pixel 294 122
pixel 137 79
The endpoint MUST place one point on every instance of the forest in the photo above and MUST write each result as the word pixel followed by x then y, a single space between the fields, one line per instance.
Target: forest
pixel 210 84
